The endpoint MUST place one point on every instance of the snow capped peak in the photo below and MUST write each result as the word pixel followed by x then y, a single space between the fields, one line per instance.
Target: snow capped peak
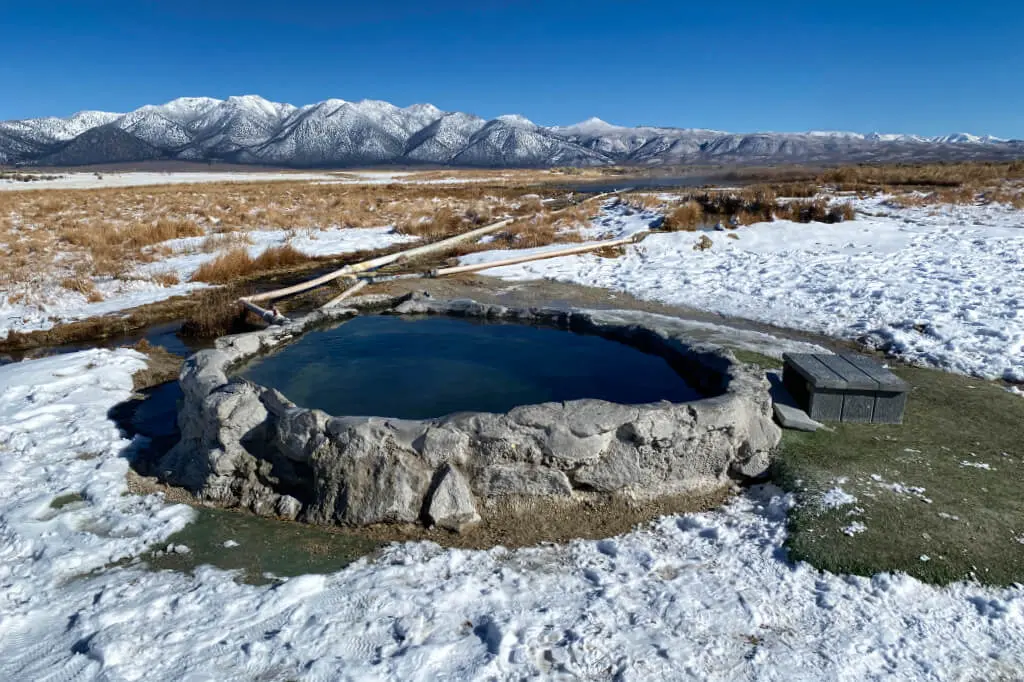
pixel 255 103
pixel 370 105
pixel 423 109
pixel 252 129
pixel 186 106
pixel 834 134
pixel 967 138
pixel 328 107
pixel 592 126
pixel 105 116
pixel 959 138
pixel 330 103
pixel 516 120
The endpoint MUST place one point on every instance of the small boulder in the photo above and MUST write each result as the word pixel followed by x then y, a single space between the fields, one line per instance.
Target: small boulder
pixel 451 506
pixel 288 507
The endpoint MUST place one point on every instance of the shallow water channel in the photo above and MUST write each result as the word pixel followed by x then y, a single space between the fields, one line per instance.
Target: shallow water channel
pixel 417 368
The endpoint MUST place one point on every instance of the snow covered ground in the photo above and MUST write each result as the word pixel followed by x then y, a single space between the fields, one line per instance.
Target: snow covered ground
pixel 77 180
pixel 51 304
pixel 702 596
pixel 936 285
pixel 80 180
pixel 313 242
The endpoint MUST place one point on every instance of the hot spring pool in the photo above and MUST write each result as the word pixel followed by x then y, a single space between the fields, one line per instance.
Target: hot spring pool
pixel 424 367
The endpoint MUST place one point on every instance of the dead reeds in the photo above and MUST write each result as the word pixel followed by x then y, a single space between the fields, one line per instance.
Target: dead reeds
pixel 237 263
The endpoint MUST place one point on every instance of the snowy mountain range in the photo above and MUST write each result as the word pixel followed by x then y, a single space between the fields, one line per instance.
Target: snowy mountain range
pixel 338 133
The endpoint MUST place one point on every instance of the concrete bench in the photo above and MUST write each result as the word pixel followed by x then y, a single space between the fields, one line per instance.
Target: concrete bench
pixel 844 388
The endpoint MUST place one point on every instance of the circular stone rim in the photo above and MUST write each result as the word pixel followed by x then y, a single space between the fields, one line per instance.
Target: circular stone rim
pixel 243 444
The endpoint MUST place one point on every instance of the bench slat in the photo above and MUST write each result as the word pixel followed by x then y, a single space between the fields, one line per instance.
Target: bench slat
pixel 887 381
pixel 814 371
pixel 856 378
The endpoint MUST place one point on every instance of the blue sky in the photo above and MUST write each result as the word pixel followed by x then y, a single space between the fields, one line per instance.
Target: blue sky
pixel 923 67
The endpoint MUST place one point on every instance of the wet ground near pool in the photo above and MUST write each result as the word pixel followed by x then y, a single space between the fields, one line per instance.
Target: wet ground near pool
pixel 419 368
pixel 261 549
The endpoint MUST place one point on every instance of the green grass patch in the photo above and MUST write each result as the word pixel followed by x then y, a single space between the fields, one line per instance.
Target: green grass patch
pixel 265 546
pixel 754 358
pixel 968 520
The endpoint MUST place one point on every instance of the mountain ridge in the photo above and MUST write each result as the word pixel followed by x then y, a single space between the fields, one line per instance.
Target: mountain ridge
pixel 340 133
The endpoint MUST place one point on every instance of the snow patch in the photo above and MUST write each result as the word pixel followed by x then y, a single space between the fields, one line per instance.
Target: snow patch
pixel 855 528
pixel 936 285
pixel 977 465
pixel 835 498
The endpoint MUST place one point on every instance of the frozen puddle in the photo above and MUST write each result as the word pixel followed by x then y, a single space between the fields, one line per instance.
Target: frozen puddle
pixel 705 596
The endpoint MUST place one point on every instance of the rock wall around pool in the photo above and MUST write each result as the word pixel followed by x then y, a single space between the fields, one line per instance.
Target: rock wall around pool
pixel 247 445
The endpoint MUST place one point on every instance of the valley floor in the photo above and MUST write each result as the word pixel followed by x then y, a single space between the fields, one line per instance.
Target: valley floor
pixel 705 596
pixel 934 285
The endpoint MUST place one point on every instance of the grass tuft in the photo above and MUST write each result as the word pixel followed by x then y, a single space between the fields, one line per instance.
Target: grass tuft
pixel 237 263
pixel 686 217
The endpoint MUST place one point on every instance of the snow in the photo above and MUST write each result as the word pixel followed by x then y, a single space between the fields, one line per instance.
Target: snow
pixel 80 180
pixel 937 285
pixel 835 498
pixel 313 242
pixel 613 223
pixel 136 179
pixel 399 177
pixel 52 304
pixel 855 528
pixel 977 465
pixel 901 488
pixel 708 596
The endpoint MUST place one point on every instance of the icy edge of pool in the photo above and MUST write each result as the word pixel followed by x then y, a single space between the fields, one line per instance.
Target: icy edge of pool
pixel 247 445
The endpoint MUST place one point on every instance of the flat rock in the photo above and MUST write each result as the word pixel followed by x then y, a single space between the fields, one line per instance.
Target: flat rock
pixel 794 418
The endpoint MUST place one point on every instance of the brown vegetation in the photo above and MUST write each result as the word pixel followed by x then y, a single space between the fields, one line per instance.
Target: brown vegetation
pixel 84 286
pixel 758 203
pixel 216 313
pixel 922 175
pixel 687 216
pixel 60 233
pixel 237 263
pixel 815 210
pixel 703 244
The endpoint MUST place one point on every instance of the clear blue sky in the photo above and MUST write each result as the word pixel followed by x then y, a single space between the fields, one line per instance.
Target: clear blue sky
pixel 923 67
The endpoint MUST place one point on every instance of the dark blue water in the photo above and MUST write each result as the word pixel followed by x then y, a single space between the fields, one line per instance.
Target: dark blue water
pixel 429 367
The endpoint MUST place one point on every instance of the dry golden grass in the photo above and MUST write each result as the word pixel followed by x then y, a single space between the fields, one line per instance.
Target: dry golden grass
pixel 687 216
pixel 815 210
pixel 166 279
pixel 225 267
pixel 1008 194
pixel 224 240
pixel 923 175
pixel 237 263
pixel 703 244
pixel 84 286
pixel 443 222
pixel 108 232
pixel 643 200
